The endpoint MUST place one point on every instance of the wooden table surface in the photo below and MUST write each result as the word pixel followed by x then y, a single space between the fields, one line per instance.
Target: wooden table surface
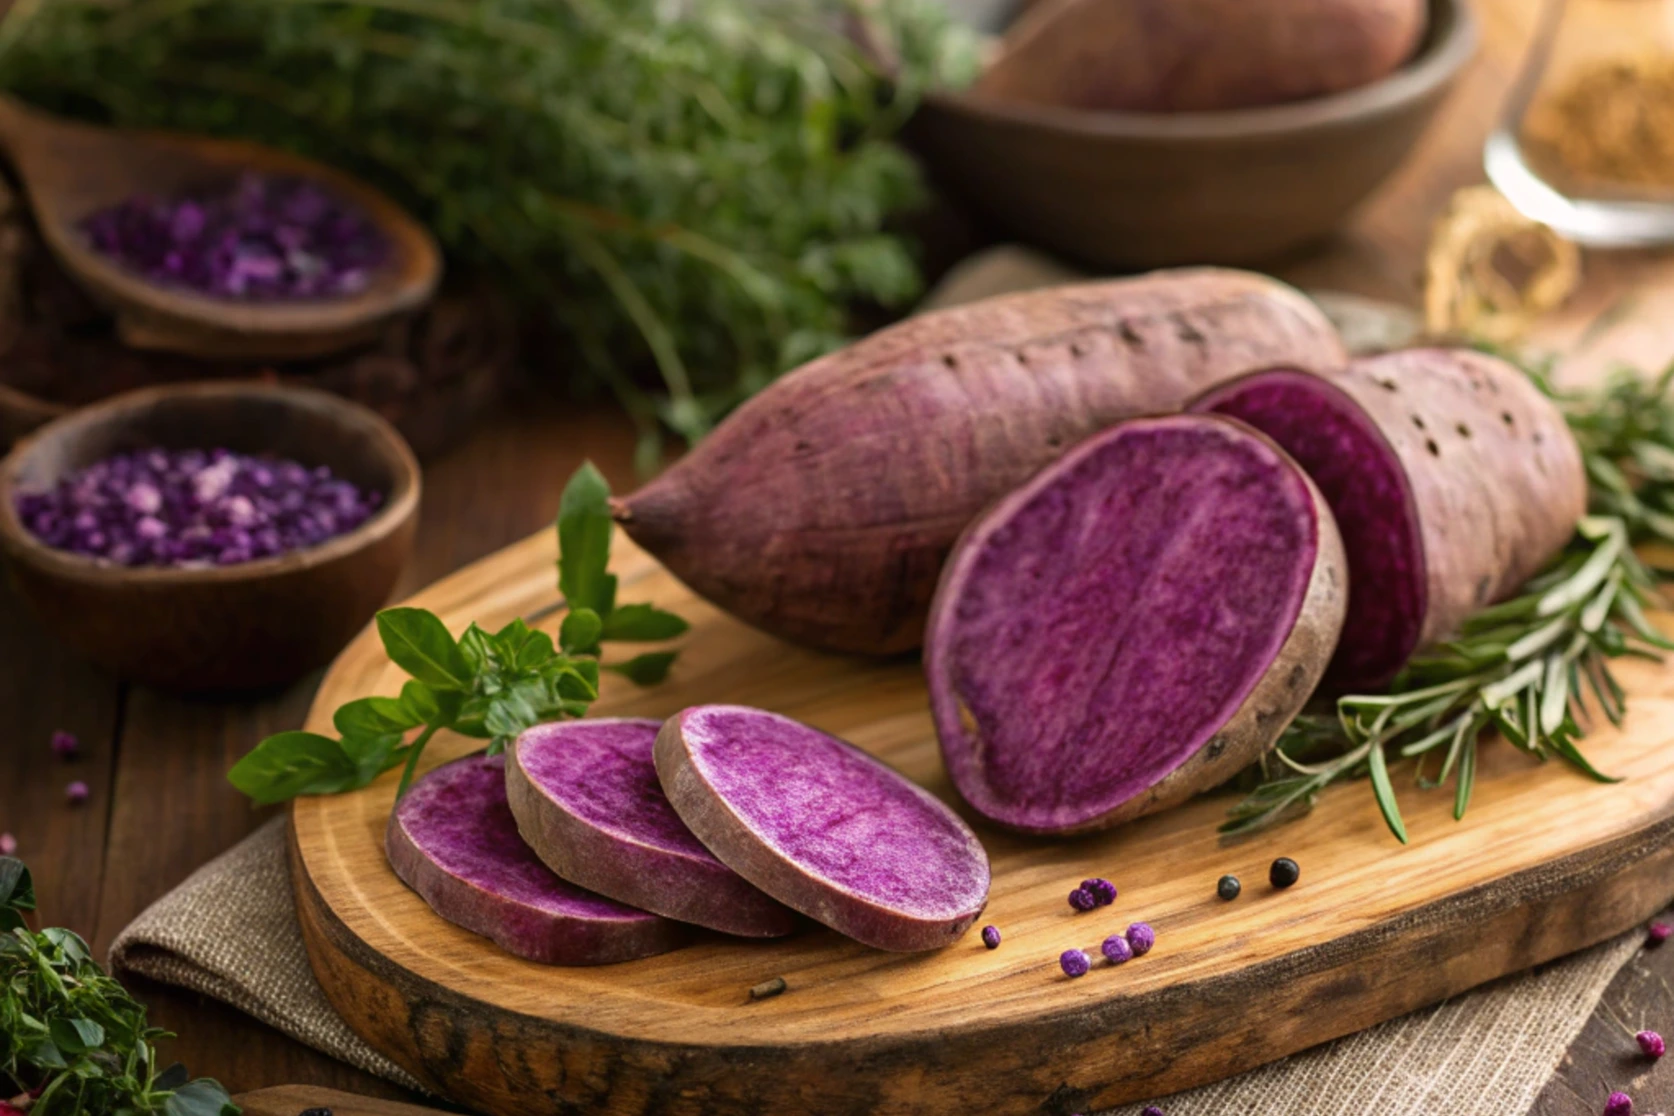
pixel 160 804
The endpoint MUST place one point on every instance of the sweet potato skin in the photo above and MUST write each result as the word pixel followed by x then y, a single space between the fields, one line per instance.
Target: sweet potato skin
pixel 823 509
pixel 1200 55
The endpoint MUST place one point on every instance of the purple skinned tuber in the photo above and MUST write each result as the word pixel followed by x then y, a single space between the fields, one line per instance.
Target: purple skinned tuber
pixel 823 827
pixel 454 841
pixel 587 801
pixel 1135 625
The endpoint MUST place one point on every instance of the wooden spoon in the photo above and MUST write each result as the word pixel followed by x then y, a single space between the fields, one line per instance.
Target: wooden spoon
pixel 72 170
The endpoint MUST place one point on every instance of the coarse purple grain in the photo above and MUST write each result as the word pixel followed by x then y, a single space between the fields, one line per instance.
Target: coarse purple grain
pixel 1102 890
pixel 1082 899
pixel 1116 949
pixel 8 845
pixel 1619 1104
pixel 1141 937
pixel 64 744
pixel 77 793
pixel 1658 933
pixel 991 937
pixel 1074 963
pixel 1651 1044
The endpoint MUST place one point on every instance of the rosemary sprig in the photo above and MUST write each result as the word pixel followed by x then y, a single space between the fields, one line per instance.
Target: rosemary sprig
pixel 1536 668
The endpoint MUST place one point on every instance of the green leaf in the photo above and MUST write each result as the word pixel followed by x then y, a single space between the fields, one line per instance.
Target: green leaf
pixel 77 1036
pixel 203 1097
pixel 419 643
pixel 17 889
pixel 429 707
pixel 292 763
pixel 579 634
pixel 1385 793
pixel 374 717
pixel 585 526
pixel 647 669
pixel 643 623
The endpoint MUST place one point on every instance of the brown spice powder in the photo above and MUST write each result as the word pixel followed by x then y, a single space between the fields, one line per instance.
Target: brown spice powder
pixel 1611 123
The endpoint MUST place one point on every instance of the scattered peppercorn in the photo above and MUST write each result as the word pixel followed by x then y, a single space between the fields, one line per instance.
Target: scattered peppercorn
pixel 1152 1110
pixel 1651 1043
pixel 8 845
pixel 1082 899
pixel 1658 933
pixel 991 937
pixel 1228 888
pixel 1102 890
pixel 65 744
pixel 1284 872
pixel 1619 1104
pixel 767 989
pixel 77 792
pixel 316 1112
pixel 1141 937
pixel 1074 962
pixel 1116 949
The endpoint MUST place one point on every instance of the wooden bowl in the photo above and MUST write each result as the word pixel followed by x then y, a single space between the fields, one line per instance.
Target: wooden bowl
pixel 1140 190
pixel 231 628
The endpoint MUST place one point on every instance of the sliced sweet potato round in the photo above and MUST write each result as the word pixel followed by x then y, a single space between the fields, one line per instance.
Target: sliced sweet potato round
pixel 1133 626
pixel 823 827
pixel 587 800
pixel 454 841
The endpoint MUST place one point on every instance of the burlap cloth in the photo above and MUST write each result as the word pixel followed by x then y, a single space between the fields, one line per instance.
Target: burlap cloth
pixel 230 931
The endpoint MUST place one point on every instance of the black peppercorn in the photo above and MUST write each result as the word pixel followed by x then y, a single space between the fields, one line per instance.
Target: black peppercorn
pixel 1228 888
pixel 316 1112
pixel 1284 872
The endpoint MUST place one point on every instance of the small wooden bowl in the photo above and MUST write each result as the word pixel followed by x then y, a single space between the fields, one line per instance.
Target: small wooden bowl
pixel 1140 190
pixel 230 628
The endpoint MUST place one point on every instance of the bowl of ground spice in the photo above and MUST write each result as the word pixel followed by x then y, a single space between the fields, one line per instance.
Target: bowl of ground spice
pixel 209 537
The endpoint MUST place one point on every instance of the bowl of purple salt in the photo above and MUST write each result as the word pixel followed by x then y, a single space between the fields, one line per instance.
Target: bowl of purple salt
pixel 214 537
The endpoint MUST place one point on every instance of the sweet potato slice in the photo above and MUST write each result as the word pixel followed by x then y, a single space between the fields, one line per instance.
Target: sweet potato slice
pixel 453 840
pixel 823 827
pixel 1452 478
pixel 587 800
pixel 1134 625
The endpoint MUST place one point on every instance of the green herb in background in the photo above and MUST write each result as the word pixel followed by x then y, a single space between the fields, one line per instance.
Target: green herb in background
pixel 702 188
pixel 486 685
pixel 72 1041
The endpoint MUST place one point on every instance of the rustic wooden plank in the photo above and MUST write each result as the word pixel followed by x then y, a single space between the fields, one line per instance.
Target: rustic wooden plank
pixel 289 1100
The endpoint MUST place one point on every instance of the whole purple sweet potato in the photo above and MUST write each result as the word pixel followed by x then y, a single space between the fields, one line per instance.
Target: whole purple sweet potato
pixel 823 827
pixel 1134 625
pixel 823 509
pixel 587 801
pixel 453 840
pixel 1452 478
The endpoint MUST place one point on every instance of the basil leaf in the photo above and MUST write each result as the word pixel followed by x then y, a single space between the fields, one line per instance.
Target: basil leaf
pixel 580 631
pixel 643 623
pixel 204 1097
pixel 77 1036
pixel 17 890
pixel 584 530
pixel 647 669
pixel 479 648
pixel 419 644
pixel 292 763
pixel 374 716
pixel 373 755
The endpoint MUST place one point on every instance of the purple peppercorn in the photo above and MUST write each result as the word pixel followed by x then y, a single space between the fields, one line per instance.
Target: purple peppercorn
pixel 1102 890
pixel 1658 933
pixel 1082 899
pixel 991 937
pixel 65 744
pixel 77 792
pixel 1116 949
pixel 1074 963
pixel 1651 1044
pixel 1152 1110
pixel 8 845
pixel 1619 1104
pixel 1141 937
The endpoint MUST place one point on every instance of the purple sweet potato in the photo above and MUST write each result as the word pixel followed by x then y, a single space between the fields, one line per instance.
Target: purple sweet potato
pixel 1452 478
pixel 823 827
pixel 454 841
pixel 1134 625
pixel 1200 55
pixel 822 510
pixel 587 801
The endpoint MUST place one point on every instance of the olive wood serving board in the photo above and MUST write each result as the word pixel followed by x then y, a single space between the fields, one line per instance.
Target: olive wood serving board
pixel 1544 863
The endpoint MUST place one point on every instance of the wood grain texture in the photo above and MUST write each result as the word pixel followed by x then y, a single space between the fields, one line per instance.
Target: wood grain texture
pixel 1545 863
pixel 289 1100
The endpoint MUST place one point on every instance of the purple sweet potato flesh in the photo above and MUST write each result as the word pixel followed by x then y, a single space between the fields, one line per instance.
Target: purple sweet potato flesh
pixel 824 827
pixel 587 800
pixel 1132 626
pixel 1360 476
pixel 454 841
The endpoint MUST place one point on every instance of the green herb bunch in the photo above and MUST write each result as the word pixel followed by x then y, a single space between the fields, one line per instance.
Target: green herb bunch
pixel 702 187
pixel 72 1041
pixel 486 685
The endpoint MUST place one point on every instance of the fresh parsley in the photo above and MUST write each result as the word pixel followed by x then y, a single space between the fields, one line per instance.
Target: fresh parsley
pixel 72 1041
pixel 486 685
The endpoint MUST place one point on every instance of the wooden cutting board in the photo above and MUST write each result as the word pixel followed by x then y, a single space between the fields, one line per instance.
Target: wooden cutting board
pixel 1546 862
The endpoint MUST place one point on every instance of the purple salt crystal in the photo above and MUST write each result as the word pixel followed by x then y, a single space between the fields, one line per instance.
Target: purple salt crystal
pixel 8 845
pixel 1619 1104
pixel 1651 1044
pixel 1082 899
pixel 76 792
pixel 1102 890
pixel 1141 937
pixel 1074 963
pixel 64 744
pixel 1116 949
pixel 991 937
